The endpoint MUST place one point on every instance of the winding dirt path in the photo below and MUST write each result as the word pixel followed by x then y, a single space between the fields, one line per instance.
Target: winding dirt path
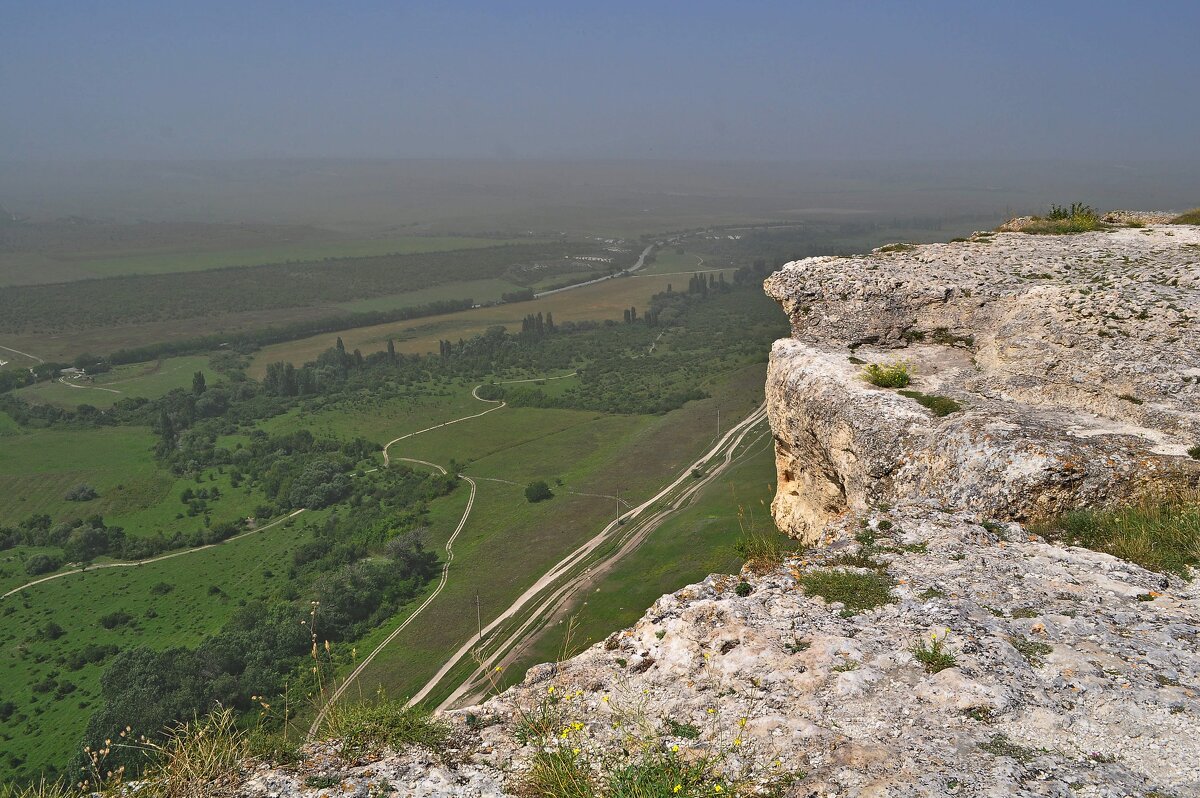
pixel 575 558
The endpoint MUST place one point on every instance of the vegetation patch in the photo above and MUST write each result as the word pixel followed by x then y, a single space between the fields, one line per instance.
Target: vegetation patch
pixel 369 728
pixel 1062 220
pixel 1161 534
pixel 892 375
pixel 856 591
pixel 933 654
pixel 1190 217
pixel 938 405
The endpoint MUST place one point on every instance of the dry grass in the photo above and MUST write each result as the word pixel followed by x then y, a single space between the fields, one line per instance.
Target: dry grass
pixel 1189 217
pixel 1161 534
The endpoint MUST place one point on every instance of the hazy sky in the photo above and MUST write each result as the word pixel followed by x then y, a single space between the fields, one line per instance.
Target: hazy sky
pixel 729 80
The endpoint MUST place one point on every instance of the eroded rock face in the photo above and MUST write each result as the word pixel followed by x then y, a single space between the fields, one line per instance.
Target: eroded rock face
pixel 1069 668
pixel 1076 359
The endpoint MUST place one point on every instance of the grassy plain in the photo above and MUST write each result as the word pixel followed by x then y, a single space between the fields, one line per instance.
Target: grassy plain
pixel 144 380
pixel 53 701
pixel 39 467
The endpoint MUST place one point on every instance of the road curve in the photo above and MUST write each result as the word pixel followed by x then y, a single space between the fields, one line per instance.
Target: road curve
pixel 462 522
pixel 362 666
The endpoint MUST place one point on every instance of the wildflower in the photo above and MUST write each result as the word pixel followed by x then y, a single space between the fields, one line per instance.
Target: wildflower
pixel 678 787
pixel 737 740
pixel 550 690
pixel 576 750
pixel 604 699
pixel 675 749
pixel 716 788
pixel 742 722
pixel 711 710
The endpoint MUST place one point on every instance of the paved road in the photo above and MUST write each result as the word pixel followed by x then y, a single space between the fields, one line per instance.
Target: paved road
pixel 641 261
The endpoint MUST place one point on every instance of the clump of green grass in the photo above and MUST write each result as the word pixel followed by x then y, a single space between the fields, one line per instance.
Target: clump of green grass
pixel 938 405
pixel 857 591
pixel 1194 452
pixel 1189 217
pixel 898 247
pixel 365 728
pixel 558 774
pixel 1032 650
pixel 892 375
pixel 1160 534
pixel 934 654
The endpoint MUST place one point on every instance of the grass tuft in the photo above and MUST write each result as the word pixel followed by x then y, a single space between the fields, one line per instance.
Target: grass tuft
pixel 933 655
pixel 1158 534
pixel 366 728
pixel 938 405
pixel 1062 220
pixel 1189 217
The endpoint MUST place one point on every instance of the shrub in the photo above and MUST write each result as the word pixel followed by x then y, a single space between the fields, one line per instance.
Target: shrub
pixel 938 405
pixel 115 619
pixel 538 491
pixel 81 493
pixel 1190 217
pixel 743 589
pixel 41 564
pixel 1194 452
pixel 893 375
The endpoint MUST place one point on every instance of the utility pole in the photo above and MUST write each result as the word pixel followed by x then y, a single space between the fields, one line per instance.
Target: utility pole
pixel 478 617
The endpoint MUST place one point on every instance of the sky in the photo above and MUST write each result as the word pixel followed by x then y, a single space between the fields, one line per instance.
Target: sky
pixel 796 81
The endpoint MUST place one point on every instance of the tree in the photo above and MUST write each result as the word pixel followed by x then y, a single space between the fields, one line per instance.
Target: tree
pixel 391 349
pixel 341 347
pixel 537 491
pixel 198 385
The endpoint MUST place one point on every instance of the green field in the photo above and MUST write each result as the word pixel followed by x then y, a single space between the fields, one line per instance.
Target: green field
pixel 144 380
pixel 206 587
pixel 697 541
pixel 508 542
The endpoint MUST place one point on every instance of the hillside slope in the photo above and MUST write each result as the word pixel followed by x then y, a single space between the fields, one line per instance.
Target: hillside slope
pixel 931 644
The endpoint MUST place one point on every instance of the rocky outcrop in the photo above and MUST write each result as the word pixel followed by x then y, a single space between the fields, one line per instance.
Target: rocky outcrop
pixel 1076 360
pixel 931 645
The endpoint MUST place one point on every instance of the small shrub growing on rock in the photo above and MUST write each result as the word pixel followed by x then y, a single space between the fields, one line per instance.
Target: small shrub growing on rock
pixel 743 589
pixel 933 655
pixel 1032 650
pixel 369 728
pixel 1061 220
pixel 1194 452
pixel 892 375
